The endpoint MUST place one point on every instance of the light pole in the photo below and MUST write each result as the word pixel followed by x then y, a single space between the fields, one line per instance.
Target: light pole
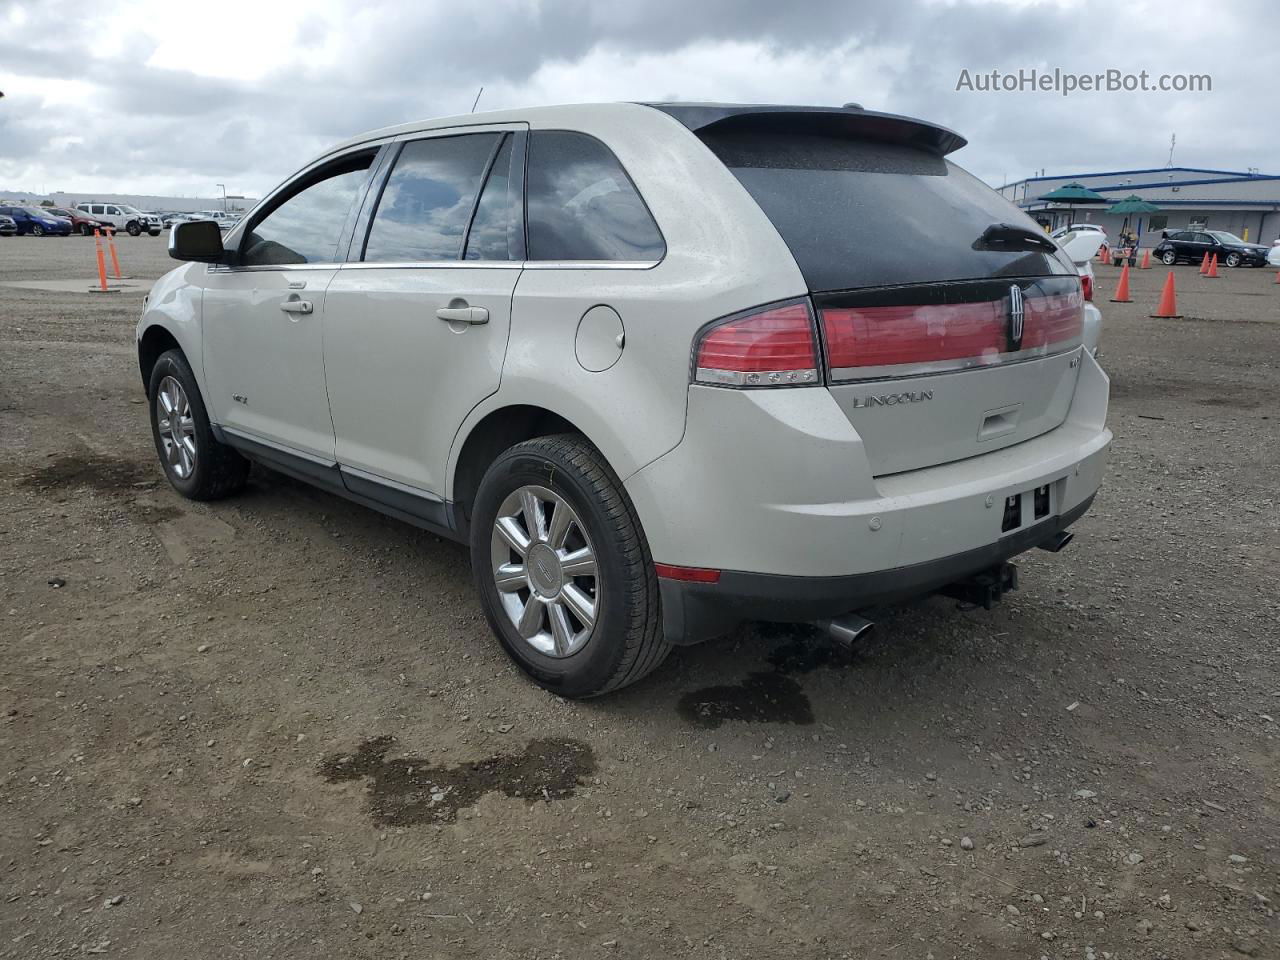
pixel 224 195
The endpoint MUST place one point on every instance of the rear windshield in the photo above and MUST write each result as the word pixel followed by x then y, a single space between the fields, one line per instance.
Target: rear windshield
pixel 859 213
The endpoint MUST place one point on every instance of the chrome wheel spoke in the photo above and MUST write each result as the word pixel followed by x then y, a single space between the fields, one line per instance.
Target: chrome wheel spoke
pixel 511 577
pixel 177 428
pixel 583 607
pixel 532 510
pixel 515 538
pixel 578 563
pixel 561 521
pixel 561 633
pixel 531 619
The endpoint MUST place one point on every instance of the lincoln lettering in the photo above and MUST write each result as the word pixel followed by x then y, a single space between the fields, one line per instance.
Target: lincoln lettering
pixel 892 399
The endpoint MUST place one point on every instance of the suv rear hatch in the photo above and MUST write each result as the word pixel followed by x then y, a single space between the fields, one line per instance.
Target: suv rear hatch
pixel 950 324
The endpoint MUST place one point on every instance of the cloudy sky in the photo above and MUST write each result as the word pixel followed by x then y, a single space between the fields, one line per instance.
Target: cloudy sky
pixel 158 96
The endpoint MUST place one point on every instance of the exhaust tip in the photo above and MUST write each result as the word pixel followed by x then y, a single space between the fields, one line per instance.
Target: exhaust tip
pixel 847 630
pixel 1057 541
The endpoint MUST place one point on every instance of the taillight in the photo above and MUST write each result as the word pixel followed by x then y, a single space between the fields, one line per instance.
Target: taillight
pixel 1086 285
pixel 773 346
pixel 874 342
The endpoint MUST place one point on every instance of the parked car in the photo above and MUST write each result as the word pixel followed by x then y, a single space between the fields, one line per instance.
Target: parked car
pixel 1079 228
pixel 1273 257
pixel 121 216
pixel 8 226
pixel 1081 246
pixel 1192 245
pixel 79 222
pixel 37 221
pixel 671 385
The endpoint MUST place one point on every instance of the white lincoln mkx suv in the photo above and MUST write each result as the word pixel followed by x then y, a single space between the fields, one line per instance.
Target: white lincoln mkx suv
pixel 665 367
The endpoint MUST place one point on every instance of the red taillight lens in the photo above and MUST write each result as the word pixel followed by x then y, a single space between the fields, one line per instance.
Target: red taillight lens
pixel 772 347
pixel 669 571
pixel 870 342
pixel 1086 285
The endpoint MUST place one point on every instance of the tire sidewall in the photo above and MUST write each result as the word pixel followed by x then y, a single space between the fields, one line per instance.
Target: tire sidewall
pixel 1170 258
pixel 1231 257
pixel 173 364
pixel 589 669
pixel 133 229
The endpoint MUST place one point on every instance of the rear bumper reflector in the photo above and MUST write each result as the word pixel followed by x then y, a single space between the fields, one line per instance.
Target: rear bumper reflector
pixel 669 571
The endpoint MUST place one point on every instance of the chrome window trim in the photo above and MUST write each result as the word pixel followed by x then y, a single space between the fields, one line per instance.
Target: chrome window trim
pixel 392 484
pixel 591 264
pixel 270 267
pixel 432 264
pixel 902 371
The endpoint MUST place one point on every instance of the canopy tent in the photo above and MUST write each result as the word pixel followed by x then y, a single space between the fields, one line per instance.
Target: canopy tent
pixel 1129 206
pixel 1072 195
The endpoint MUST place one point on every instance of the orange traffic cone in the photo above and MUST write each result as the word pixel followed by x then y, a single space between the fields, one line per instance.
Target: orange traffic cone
pixel 1168 308
pixel 115 260
pixel 1278 276
pixel 1146 261
pixel 1213 268
pixel 102 264
pixel 1204 264
pixel 1104 253
pixel 1122 288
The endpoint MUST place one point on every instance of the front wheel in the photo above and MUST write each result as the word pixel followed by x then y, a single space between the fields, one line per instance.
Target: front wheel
pixel 1168 258
pixel 563 568
pixel 37 231
pixel 1233 259
pixel 133 229
pixel 197 465
pixel 86 230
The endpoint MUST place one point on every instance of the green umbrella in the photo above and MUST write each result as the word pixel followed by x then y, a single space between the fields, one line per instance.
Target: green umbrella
pixel 1133 204
pixel 1130 205
pixel 1072 194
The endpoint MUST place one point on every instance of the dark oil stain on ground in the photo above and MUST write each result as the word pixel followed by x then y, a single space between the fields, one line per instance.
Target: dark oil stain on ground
pixel 410 790
pixel 769 696
pixel 105 474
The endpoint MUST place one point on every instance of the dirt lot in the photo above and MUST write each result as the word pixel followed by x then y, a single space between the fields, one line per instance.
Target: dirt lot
pixel 277 726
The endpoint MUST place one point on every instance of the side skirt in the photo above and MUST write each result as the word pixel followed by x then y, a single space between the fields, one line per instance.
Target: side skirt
pixel 391 499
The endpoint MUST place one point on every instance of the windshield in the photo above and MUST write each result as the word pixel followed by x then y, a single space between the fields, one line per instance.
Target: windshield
pixel 1225 237
pixel 40 212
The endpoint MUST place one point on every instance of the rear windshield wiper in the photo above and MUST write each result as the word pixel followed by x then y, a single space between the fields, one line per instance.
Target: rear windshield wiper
pixel 1007 235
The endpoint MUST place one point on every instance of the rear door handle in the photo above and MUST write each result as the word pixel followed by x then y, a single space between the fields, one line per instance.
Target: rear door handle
pixel 463 314
pixel 297 306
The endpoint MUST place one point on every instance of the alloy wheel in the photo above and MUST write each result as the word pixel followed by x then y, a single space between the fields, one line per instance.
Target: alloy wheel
pixel 544 567
pixel 176 427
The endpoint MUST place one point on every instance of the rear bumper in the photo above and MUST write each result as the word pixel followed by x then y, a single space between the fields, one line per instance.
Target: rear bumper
pixel 693 612
pixel 774 489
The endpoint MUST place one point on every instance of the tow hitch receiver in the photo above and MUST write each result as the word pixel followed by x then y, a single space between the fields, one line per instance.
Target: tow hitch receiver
pixel 986 588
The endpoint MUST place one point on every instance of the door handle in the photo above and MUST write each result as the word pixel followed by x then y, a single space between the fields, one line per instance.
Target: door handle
pixel 297 306
pixel 463 314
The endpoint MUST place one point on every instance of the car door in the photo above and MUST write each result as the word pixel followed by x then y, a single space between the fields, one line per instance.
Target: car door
pixel 262 313
pixel 416 321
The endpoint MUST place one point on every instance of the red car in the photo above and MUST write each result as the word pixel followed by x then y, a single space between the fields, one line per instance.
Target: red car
pixel 79 222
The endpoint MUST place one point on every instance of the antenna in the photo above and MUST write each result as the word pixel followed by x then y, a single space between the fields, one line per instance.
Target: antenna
pixel 477 99
pixel 1173 141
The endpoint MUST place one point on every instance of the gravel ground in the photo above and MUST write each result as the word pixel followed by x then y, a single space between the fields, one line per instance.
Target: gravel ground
pixel 278 726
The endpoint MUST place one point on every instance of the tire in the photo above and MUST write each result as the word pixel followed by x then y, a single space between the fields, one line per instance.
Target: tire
pixel 625 641
pixel 86 230
pixel 133 229
pixel 1233 259
pixel 216 470
pixel 1168 258
pixel 37 231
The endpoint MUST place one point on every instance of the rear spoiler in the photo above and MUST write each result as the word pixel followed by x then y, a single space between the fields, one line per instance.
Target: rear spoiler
pixel 850 121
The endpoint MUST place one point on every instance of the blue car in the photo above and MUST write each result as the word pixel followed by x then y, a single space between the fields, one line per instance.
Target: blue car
pixel 36 222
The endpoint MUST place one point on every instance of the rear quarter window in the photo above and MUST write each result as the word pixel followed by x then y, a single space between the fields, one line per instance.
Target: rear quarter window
pixel 859 213
pixel 582 205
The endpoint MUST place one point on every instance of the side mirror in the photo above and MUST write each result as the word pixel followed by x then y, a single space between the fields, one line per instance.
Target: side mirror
pixel 199 240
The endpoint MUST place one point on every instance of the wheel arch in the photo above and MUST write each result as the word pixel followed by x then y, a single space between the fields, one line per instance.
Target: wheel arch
pixel 155 341
pixel 493 433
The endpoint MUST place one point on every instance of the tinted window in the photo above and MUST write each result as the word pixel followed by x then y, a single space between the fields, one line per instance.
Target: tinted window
pixel 861 213
pixel 428 199
pixel 582 205
pixel 1203 238
pixel 97 208
pixel 496 223
pixel 307 227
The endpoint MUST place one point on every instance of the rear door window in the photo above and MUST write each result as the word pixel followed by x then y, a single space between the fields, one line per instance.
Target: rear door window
pixel 429 198
pixel 582 205
pixel 97 209
pixel 496 227
pixel 859 213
